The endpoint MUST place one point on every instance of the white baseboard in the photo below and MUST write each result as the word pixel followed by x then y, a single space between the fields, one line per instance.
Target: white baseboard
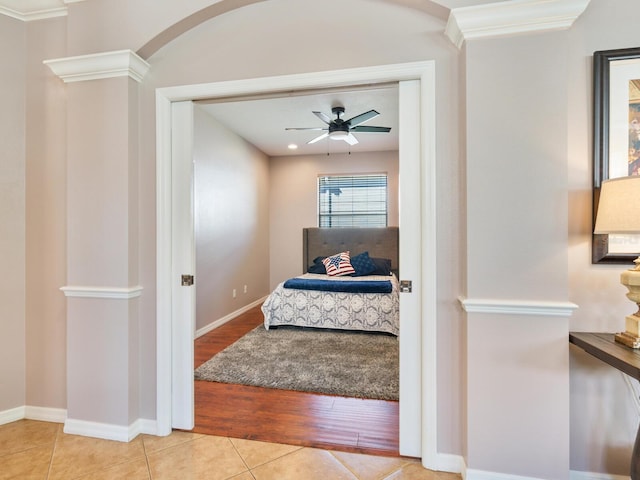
pixel 221 321
pixel 575 475
pixel 446 462
pixel 80 427
pixel 144 426
pixel 43 414
pixel 457 464
pixel 108 431
pixel 471 474
pixel 12 415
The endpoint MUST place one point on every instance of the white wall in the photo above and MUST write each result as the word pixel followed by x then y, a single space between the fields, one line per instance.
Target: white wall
pixel 232 220
pixel 293 200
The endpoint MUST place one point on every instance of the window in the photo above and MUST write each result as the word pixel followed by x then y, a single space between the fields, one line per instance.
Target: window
pixel 352 201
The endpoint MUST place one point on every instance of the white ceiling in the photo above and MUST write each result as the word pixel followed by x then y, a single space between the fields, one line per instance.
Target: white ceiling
pixel 263 121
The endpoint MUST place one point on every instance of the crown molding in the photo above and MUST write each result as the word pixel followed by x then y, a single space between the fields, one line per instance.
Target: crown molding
pixel 97 66
pixel 512 17
pixel 28 16
pixel 29 10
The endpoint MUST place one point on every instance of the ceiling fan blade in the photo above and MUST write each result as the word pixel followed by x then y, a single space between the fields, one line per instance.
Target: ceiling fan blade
pixel 350 139
pixel 363 117
pixel 365 128
pixel 323 116
pixel 310 128
pixel 317 139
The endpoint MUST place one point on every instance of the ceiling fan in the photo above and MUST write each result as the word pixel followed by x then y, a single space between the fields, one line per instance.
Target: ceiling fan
pixel 340 129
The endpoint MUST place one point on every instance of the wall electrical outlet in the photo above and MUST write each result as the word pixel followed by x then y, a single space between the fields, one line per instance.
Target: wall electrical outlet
pixel 245 289
pixel 234 293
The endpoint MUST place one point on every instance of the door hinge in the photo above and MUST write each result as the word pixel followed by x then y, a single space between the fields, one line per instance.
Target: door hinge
pixel 405 286
pixel 187 280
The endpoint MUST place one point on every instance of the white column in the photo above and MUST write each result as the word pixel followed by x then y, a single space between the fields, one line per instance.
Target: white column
pixel 102 243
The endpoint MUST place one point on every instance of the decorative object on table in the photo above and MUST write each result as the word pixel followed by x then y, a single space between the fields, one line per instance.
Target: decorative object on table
pixel 619 213
pixel 616 139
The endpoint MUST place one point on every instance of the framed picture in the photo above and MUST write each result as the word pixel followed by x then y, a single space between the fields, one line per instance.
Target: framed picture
pixel 616 139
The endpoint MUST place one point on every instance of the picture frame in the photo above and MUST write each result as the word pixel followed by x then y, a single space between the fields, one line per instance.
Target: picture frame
pixel 616 76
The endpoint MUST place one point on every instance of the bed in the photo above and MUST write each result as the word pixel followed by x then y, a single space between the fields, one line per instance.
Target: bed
pixel 365 302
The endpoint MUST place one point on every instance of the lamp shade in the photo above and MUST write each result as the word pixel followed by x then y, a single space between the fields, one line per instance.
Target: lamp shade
pixel 619 206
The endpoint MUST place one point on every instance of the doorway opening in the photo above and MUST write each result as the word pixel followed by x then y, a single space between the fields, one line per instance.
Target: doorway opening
pixel 175 246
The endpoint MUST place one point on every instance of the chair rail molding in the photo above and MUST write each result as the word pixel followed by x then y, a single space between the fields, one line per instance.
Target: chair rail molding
pixel 512 17
pixel 518 307
pixel 120 63
pixel 102 292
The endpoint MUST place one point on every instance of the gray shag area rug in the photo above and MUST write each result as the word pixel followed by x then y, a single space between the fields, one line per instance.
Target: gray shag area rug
pixel 349 364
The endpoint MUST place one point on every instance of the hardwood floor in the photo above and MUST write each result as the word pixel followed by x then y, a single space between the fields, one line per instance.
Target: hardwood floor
pixel 283 416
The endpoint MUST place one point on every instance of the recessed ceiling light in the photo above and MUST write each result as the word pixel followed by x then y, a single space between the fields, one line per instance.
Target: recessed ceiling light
pixel 292 146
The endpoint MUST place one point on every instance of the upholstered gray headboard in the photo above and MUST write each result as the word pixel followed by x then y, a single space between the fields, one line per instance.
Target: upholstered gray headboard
pixel 379 242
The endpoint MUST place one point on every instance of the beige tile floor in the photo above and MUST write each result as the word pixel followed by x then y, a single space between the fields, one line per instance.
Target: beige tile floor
pixel 41 450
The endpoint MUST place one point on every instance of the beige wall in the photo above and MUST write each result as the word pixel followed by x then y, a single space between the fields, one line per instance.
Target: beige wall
pixel 46 226
pixel 294 200
pixel 34 198
pixel 106 25
pixel 103 334
pixel 231 191
pixel 604 412
pixel 516 231
pixel 13 49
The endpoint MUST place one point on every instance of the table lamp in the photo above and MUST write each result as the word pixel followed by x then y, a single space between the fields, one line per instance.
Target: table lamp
pixel 619 213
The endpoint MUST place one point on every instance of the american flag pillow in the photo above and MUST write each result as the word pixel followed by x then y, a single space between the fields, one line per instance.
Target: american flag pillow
pixel 338 264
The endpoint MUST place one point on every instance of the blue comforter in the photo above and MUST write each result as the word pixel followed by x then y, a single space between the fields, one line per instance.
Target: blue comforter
pixel 355 286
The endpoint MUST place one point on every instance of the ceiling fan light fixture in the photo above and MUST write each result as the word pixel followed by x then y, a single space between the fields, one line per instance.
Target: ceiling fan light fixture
pixel 339 129
pixel 338 135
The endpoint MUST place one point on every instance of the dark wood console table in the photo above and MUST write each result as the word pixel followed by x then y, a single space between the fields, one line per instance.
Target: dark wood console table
pixel 627 360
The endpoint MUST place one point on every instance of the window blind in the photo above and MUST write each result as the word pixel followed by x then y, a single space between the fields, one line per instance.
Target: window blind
pixel 352 201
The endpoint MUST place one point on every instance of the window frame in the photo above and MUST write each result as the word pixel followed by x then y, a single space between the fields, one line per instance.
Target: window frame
pixel 368 214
